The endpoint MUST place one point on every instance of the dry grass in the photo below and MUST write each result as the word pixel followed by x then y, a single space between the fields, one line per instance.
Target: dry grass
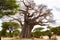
pixel 15 38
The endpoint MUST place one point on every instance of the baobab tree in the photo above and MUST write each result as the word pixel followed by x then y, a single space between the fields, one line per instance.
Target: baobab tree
pixel 33 15
pixel 30 15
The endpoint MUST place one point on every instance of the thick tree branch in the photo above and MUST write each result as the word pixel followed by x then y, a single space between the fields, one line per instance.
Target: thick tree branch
pixel 22 10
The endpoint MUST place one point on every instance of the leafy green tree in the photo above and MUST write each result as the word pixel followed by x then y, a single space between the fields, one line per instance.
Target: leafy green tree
pixel 56 30
pixel 8 7
pixel 48 32
pixel 10 26
pixel 37 32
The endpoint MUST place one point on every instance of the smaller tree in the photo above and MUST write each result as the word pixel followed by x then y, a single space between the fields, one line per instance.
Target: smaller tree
pixel 49 32
pixel 56 30
pixel 37 32
pixel 10 26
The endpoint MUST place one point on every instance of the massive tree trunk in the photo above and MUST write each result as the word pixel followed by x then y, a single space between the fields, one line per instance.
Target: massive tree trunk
pixel 26 31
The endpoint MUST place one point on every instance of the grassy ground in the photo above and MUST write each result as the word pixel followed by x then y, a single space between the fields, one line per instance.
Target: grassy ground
pixel 21 39
pixel 16 38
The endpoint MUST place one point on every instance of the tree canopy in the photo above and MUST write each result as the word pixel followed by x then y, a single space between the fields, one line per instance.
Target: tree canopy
pixel 9 26
pixel 37 32
pixel 8 7
pixel 56 30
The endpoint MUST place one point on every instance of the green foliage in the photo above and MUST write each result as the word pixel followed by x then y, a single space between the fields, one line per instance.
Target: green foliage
pixel 8 7
pixel 48 32
pixel 3 32
pixel 38 29
pixel 49 27
pixel 10 26
pixel 16 33
pixel 37 32
pixel 0 33
pixel 56 30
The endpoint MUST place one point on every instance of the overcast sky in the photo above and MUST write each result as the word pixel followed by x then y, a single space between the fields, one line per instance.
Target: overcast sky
pixel 53 4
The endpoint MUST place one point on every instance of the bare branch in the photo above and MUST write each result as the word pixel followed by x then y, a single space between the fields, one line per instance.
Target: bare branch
pixel 16 20
pixel 24 3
